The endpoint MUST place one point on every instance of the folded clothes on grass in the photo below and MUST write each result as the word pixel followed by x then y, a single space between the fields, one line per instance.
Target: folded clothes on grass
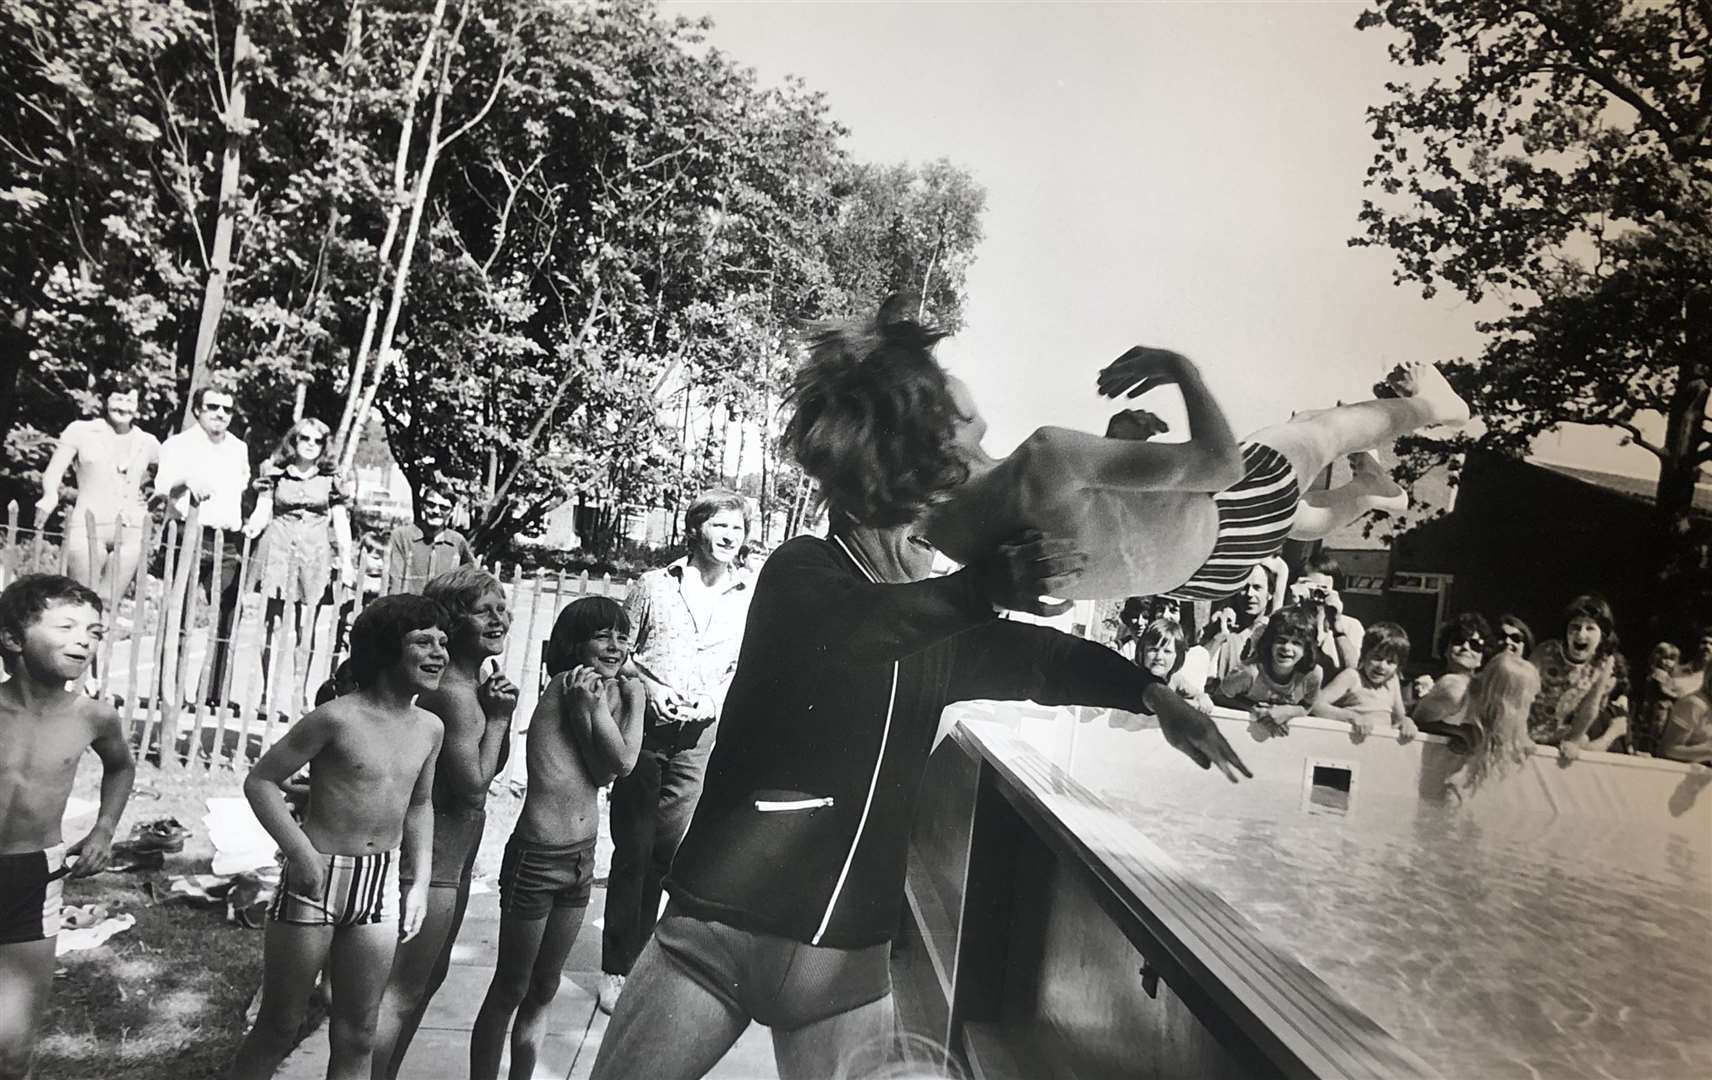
pixel 84 930
pixel 245 896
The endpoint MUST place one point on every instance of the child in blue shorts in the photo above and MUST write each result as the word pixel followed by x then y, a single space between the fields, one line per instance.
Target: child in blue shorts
pixel 586 732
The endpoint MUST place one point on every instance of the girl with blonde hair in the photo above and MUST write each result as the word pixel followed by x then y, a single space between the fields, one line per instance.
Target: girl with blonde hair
pixel 1499 701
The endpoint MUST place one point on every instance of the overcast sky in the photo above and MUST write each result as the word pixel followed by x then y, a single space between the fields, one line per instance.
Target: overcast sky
pixel 1178 174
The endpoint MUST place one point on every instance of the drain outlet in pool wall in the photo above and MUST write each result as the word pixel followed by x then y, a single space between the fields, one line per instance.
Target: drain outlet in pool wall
pixel 1328 787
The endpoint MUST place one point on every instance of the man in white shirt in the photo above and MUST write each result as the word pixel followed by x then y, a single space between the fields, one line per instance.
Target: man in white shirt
pixel 208 467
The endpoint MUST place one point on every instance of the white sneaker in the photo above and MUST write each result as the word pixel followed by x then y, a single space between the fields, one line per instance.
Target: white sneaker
pixel 610 987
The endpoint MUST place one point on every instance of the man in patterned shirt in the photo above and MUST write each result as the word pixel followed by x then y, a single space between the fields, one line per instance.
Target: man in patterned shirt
pixel 687 620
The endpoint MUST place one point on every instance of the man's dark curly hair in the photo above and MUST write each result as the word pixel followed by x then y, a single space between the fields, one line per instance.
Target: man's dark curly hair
pixel 874 417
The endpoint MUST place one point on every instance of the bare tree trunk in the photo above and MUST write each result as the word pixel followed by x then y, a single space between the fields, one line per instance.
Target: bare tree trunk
pixel 419 202
pixel 1681 575
pixel 540 424
pixel 220 265
pixel 927 278
pixel 766 454
pixel 742 445
pixel 345 435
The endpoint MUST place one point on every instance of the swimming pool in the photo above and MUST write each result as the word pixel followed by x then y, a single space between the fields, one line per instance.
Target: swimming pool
pixel 1559 925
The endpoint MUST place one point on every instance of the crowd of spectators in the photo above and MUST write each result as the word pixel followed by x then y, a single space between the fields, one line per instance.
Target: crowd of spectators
pixel 1282 649
pixel 302 554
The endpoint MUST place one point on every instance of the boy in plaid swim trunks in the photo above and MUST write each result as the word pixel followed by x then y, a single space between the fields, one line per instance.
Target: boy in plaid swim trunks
pixel 49 629
pixel 371 756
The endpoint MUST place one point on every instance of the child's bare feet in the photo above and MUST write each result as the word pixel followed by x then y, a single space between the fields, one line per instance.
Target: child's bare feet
pixel 1419 379
pixel 1368 477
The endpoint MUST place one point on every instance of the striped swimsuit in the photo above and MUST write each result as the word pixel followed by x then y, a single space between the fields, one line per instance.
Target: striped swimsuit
pixel 359 890
pixel 1254 521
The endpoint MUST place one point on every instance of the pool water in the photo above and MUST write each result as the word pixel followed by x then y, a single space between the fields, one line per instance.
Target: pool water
pixel 1552 948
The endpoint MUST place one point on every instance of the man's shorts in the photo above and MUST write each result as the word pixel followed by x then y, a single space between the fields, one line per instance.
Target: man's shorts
pixel 778 982
pixel 536 878
pixel 31 890
pixel 359 890
pixel 457 837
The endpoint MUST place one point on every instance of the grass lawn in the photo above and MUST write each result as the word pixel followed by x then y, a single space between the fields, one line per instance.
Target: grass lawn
pixel 165 1000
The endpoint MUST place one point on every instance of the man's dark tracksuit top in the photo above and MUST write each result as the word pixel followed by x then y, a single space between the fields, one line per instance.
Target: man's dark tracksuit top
pixel 803 826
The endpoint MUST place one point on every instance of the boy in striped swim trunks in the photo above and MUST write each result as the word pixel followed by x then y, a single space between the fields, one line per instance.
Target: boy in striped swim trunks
pixel 50 627
pixel 1183 519
pixel 371 756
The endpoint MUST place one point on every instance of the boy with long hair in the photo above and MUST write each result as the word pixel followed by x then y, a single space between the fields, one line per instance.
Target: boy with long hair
pixel 1282 680
pixel 50 627
pixel 371 758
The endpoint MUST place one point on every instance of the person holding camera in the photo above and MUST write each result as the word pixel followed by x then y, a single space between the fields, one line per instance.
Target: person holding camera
pixel 1316 588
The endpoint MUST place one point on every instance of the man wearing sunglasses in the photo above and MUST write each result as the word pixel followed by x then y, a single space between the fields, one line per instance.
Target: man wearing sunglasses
pixel 426 547
pixel 207 467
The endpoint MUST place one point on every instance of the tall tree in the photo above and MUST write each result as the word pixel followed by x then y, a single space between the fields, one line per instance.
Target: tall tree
pixel 1557 158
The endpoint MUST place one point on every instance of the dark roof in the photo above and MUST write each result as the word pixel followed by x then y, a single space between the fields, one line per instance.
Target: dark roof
pixel 1635 487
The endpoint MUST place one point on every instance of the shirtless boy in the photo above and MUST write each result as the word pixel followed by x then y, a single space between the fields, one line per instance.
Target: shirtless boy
pixel 586 732
pixel 371 765
pixel 113 457
pixel 49 628
pixel 477 719
pixel 1370 694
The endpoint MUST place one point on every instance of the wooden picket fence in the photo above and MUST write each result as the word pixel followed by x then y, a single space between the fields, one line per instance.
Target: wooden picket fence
pixel 156 663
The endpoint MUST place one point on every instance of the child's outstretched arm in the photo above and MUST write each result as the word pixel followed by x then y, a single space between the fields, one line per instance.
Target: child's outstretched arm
pixel 419 842
pixel 118 772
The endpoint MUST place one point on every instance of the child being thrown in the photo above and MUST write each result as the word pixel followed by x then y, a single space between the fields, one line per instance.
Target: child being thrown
pixel 586 732
pixel 1370 694
pixel 371 757
pixel 50 626
pixel 1187 519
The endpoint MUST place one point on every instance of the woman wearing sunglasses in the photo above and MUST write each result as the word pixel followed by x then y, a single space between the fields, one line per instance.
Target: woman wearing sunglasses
pixel 1462 644
pixel 299 499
